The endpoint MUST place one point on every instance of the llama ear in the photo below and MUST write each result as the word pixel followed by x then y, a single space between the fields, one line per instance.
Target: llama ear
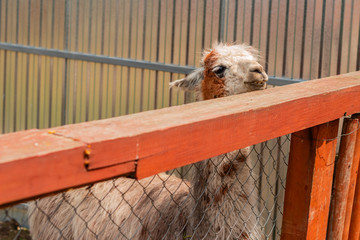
pixel 191 81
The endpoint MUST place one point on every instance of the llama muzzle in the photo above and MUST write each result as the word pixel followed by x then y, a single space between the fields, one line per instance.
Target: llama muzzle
pixel 257 84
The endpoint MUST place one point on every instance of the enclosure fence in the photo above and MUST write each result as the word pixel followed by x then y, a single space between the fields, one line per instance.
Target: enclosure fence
pixel 72 61
pixel 227 199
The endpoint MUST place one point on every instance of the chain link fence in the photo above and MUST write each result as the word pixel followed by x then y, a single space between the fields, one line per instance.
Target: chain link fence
pixel 238 195
pixel 14 223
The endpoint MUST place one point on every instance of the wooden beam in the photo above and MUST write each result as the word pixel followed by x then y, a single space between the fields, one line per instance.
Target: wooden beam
pixel 353 177
pixel 222 125
pixel 354 231
pixel 45 163
pixel 156 141
pixel 309 182
pixel 342 179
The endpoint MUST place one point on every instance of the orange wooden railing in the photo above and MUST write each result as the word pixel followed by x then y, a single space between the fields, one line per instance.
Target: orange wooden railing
pixel 345 176
pixel 34 163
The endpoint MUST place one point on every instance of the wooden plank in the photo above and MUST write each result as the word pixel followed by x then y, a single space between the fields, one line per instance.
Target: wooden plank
pixel 34 163
pixel 342 179
pixel 33 143
pixel 354 232
pixel 168 138
pixel 219 124
pixel 309 181
pixel 353 176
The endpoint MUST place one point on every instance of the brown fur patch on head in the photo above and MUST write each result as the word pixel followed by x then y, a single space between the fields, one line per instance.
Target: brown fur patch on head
pixel 210 58
pixel 212 86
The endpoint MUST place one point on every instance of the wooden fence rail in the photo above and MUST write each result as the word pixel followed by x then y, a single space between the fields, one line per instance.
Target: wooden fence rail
pixel 34 163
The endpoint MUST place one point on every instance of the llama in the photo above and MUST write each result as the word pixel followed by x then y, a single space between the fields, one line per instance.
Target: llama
pixel 219 200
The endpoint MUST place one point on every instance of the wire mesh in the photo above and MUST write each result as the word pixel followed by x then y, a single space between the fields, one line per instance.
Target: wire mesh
pixel 14 222
pixel 235 195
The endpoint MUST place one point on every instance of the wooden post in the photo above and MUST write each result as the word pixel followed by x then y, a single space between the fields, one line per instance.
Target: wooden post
pixel 340 195
pixel 354 232
pixel 353 178
pixel 309 182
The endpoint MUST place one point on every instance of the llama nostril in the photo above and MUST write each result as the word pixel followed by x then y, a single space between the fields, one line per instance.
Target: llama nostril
pixel 256 70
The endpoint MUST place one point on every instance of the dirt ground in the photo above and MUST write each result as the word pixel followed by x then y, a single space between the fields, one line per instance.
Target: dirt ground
pixel 10 230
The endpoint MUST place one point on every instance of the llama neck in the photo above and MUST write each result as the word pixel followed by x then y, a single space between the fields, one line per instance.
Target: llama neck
pixel 224 197
pixel 217 176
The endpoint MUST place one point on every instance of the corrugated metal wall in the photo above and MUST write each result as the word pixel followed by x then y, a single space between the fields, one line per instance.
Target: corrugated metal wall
pixel 299 39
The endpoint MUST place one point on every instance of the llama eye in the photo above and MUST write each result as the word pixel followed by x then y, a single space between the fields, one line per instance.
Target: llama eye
pixel 219 71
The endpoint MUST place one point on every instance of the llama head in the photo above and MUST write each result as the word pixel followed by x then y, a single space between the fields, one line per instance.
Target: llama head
pixel 226 70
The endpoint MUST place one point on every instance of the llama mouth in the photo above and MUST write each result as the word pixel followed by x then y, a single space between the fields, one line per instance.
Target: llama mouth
pixel 256 84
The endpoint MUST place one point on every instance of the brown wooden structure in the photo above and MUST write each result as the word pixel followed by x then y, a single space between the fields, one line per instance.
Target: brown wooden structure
pixel 34 163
